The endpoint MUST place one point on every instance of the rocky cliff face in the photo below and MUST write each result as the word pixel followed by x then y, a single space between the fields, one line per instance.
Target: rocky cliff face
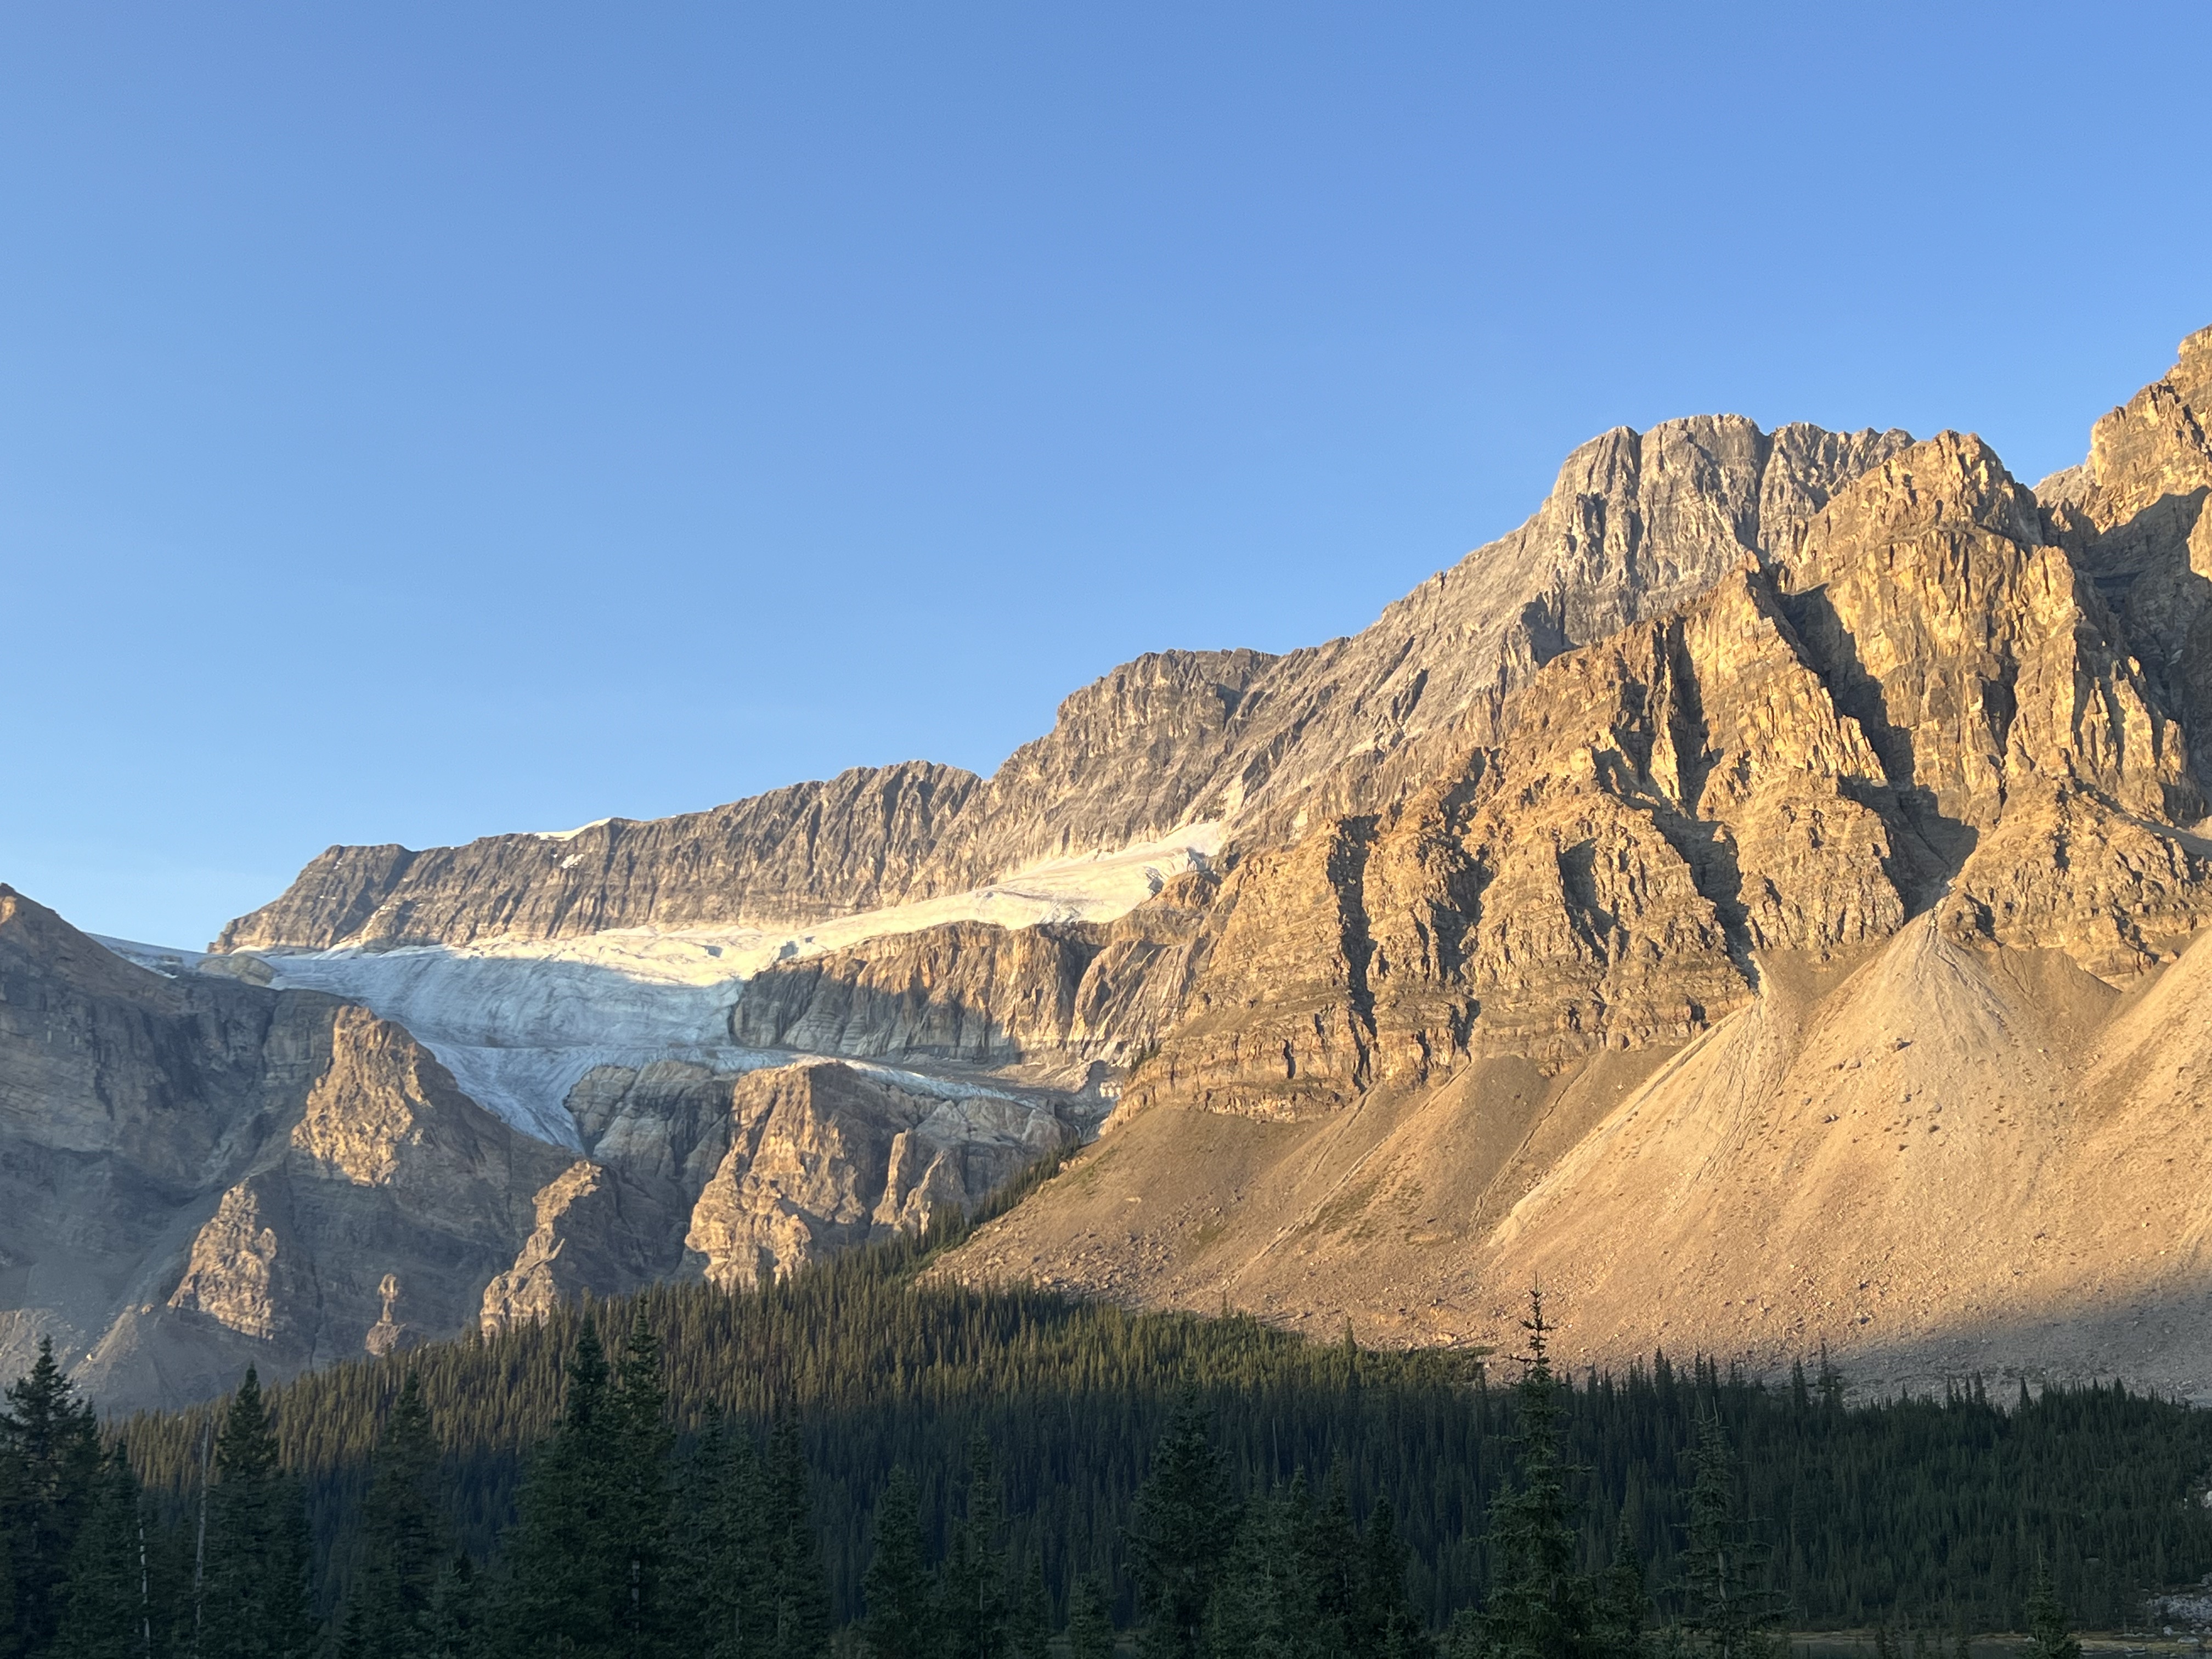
pixel 742 1176
pixel 1919 700
pixel 208 1173
pixel 982 995
pixel 1638 523
pixel 1777 839
pixel 1778 968
pixel 2133 517
pixel 203 1174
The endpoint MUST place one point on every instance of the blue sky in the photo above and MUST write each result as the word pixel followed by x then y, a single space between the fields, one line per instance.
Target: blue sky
pixel 423 420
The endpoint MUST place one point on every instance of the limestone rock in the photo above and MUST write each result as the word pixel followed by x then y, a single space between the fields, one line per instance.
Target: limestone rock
pixel 2133 517
pixel 1638 524
pixel 989 996
pixel 594 1231
pixel 388 1203
pixel 822 1157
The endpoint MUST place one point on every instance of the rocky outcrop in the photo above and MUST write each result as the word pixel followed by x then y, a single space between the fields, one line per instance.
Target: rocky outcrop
pixel 203 1173
pixel 862 839
pixel 2133 516
pixel 742 1175
pixel 821 1158
pixel 975 993
pixel 1919 700
pixel 1638 524
pixel 1818 964
pixel 388 1203
pixel 200 1174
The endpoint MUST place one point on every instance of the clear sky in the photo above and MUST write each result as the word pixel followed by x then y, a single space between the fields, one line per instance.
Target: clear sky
pixel 421 420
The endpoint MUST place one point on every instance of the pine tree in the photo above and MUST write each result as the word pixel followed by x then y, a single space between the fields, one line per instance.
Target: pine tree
pixel 1089 1621
pixel 1729 1611
pixel 109 1604
pixel 1539 1605
pixel 901 1621
pixel 1183 1526
pixel 404 1543
pixel 2050 1631
pixel 254 1599
pixel 51 1442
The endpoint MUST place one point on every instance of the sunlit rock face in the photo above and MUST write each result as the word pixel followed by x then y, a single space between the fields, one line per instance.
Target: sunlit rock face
pixel 1741 897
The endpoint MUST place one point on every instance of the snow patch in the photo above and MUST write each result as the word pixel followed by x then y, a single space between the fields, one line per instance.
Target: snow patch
pixel 164 959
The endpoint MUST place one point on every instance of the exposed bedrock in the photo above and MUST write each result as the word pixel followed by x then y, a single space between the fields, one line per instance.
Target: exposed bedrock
pixel 1637 524
pixel 990 996
pixel 201 1174
pixel 1919 701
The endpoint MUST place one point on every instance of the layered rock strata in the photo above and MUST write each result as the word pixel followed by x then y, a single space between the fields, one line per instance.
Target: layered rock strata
pixel 1637 523
pixel 982 995
pixel 201 1174
pixel 1818 964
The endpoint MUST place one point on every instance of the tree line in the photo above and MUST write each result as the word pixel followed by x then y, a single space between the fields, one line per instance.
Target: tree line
pixel 630 1542
pixel 861 1415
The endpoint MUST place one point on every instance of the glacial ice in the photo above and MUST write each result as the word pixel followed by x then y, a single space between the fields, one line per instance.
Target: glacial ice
pixel 520 1022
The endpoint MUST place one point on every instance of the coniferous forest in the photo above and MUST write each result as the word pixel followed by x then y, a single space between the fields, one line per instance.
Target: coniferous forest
pixel 860 1460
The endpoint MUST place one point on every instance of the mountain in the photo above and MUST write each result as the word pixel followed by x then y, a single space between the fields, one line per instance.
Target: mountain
pixel 1637 523
pixel 200 1173
pixel 1760 898
pixel 1820 964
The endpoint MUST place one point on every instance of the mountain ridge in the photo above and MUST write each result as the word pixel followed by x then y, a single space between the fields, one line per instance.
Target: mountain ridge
pixel 1169 739
pixel 1551 925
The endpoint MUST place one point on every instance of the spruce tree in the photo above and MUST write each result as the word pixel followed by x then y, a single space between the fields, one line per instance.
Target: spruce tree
pixel 567 1573
pixel 798 1589
pixel 973 1602
pixel 1028 1624
pixel 1268 1594
pixel 902 1620
pixel 253 1599
pixel 1622 1605
pixel 1089 1620
pixel 1384 1625
pixel 109 1606
pixel 1330 1545
pixel 457 1609
pixel 404 1545
pixel 1729 1611
pixel 51 1442
pixel 2050 1631
pixel 721 1553
pixel 1183 1526
pixel 1539 1605
pixel 641 1514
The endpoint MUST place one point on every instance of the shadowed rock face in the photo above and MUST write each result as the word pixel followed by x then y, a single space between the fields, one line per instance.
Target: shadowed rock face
pixel 989 996
pixel 206 1174
pixel 1638 523
pixel 200 1174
